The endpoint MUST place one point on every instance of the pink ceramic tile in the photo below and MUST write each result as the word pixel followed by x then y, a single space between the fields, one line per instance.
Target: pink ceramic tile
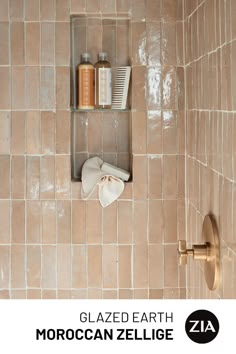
pixel 48 222
pixel 139 132
pixel 4 16
pixel 34 266
pixel 34 294
pixel 155 177
pixel 168 10
pixel 169 126
pixel 63 221
pixel 18 177
pixel 63 10
pixel 48 294
pixel 169 91
pixel 138 10
pixel 48 125
pixel 170 266
pixel 125 218
pixel 94 222
pixel 154 132
pixel 63 132
pixel 4 44
pixel 140 230
pixel 154 88
pixel 108 6
pixel 32 43
pixel 18 268
pixel 62 87
pixel 170 221
pixel 94 5
pixel 5 132
pixel 154 43
pixel 16 9
pixel 5 221
pixel 78 6
pixel 79 266
pixel 32 75
pixel 47 88
pixel 62 45
pixel 140 177
pixel 47 177
pixel 4 294
pixel 49 267
pixel 109 266
pixel 110 224
pixel 139 88
pixel 33 235
pixel 139 41
pixel 156 221
pixel 94 294
pixel 32 177
pixel 47 43
pixel 153 10
pixel 140 266
pixel 5 86
pixel 18 87
pixel 123 6
pixel 32 10
pixel 47 10
pixel 62 182
pixel 122 45
pixel 18 221
pixel 169 177
pixel 125 280
pixel 94 266
pixel 64 266
pixel 33 132
pixel 78 222
pixel 5 177
pixel 17 43
pixel 18 133
pixel 156 264
pixel 5 265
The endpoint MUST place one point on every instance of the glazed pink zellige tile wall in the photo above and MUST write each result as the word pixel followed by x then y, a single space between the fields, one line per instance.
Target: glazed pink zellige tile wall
pixel 52 243
pixel 210 53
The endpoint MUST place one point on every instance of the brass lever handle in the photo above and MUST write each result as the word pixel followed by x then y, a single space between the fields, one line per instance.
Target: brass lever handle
pixel 209 252
pixel 201 252
pixel 183 252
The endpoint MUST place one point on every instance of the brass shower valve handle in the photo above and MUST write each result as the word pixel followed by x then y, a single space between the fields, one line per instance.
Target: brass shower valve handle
pixel 198 252
pixel 208 252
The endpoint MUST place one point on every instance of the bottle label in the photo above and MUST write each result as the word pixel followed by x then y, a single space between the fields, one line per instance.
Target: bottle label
pixel 86 92
pixel 104 91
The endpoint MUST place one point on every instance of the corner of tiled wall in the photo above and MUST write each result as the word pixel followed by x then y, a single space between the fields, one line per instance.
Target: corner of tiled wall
pixel 210 42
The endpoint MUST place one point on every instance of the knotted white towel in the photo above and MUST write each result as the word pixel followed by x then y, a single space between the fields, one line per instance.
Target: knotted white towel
pixel 110 187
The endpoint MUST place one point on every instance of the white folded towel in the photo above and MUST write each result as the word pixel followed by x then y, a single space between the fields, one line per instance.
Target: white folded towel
pixel 110 187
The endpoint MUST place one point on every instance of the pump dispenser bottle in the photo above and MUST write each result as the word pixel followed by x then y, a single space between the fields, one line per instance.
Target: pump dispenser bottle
pixel 85 73
pixel 103 87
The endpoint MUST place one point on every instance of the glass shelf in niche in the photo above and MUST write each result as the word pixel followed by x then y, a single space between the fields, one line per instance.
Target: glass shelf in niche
pixel 100 110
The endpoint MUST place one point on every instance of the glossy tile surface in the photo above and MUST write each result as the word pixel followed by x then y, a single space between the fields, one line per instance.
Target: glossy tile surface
pixel 52 243
pixel 210 117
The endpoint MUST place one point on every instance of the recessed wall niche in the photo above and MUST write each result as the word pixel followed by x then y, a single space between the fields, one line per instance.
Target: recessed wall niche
pixel 103 133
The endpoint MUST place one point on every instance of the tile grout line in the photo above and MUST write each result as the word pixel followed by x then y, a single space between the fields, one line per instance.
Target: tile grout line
pixel 10 91
pixel 185 141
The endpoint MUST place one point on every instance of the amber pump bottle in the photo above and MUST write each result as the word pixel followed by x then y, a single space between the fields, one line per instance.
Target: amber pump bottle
pixel 103 88
pixel 85 75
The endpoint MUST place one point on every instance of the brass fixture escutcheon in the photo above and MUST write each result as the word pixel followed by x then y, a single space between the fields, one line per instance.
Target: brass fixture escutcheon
pixel 209 252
